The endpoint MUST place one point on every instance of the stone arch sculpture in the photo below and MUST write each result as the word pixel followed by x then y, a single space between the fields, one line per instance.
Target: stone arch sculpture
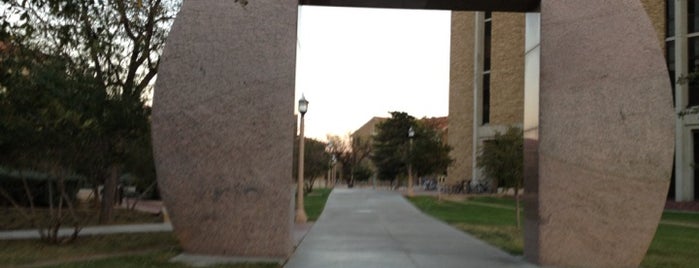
pixel 598 163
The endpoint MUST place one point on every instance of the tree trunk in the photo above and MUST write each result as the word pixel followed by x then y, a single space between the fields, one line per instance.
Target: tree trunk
pixel 96 203
pixel 517 205
pixel 108 195
pixel 351 181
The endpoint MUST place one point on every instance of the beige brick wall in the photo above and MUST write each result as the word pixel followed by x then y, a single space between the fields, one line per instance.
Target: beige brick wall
pixel 461 95
pixel 507 69
pixel 656 13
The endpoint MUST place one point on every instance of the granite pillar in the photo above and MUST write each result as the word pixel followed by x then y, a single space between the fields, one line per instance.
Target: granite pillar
pixel 604 143
pixel 221 131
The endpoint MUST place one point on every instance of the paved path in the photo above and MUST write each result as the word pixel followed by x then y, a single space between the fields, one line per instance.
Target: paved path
pixel 92 230
pixel 368 228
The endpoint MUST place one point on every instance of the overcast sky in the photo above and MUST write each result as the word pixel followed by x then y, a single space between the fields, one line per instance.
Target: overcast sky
pixel 356 63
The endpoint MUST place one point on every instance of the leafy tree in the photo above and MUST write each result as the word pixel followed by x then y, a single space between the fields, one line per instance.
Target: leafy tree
pixel 502 158
pixel 391 146
pixel 350 152
pixel 119 44
pixel 429 155
pixel 392 152
pixel 362 173
pixel 315 161
pixel 44 101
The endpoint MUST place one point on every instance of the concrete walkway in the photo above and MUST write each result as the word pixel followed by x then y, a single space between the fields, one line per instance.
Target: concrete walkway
pixel 91 230
pixel 369 228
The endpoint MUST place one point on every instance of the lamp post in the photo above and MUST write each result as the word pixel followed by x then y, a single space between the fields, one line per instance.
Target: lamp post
pixel 300 211
pixel 333 177
pixel 331 162
pixel 411 135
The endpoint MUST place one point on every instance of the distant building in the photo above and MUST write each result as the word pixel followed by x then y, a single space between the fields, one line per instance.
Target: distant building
pixel 439 124
pixel 368 130
pixel 366 133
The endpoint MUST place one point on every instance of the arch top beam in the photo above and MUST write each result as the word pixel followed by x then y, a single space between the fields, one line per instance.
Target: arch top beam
pixel 455 5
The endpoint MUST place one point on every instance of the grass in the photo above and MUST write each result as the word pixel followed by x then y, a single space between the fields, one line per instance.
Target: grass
pixel 676 216
pixel 23 252
pixel 465 212
pixel 121 250
pixel 503 201
pixel 494 225
pixel 314 202
pixel 673 246
pixel 492 219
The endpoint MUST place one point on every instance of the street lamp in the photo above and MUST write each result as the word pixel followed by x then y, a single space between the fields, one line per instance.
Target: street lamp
pixel 329 149
pixel 300 211
pixel 331 171
pixel 411 135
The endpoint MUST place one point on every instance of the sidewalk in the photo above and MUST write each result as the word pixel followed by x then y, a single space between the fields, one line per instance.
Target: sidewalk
pixel 91 230
pixel 298 232
pixel 369 228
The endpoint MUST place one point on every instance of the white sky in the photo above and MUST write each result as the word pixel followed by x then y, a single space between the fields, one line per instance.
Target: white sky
pixel 356 63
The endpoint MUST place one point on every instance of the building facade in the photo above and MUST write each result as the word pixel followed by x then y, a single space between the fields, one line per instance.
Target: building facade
pixel 486 92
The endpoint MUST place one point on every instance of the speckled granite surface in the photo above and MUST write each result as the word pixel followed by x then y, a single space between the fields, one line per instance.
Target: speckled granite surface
pixel 606 135
pixel 223 126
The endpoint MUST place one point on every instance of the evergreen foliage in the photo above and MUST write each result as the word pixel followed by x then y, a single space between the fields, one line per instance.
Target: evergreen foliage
pixel 502 161
pixel 392 153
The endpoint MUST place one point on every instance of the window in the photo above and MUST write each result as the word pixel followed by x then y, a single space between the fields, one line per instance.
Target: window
pixel 487 38
pixel 695 136
pixel 486 98
pixel 670 18
pixel 692 15
pixel 693 61
pixel 670 58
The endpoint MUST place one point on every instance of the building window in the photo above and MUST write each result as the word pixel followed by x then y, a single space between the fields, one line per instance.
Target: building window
pixel 692 16
pixel 487 39
pixel 670 58
pixel 692 49
pixel 693 68
pixel 670 18
pixel 670 43
pixel 695 137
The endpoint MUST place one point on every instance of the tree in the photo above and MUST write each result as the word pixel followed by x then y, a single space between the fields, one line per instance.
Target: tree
pixel 350 152
pixel 502 160
pixel 119 42
pixel 391 146
pixel 429 155
pixel 316 161
pixel 392 152
pixel 44 114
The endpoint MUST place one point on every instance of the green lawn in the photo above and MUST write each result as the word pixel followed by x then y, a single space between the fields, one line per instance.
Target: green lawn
pixel 121 250
pixel 492 219
pixel 675 216
pixel 494 225
pixel 314 202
